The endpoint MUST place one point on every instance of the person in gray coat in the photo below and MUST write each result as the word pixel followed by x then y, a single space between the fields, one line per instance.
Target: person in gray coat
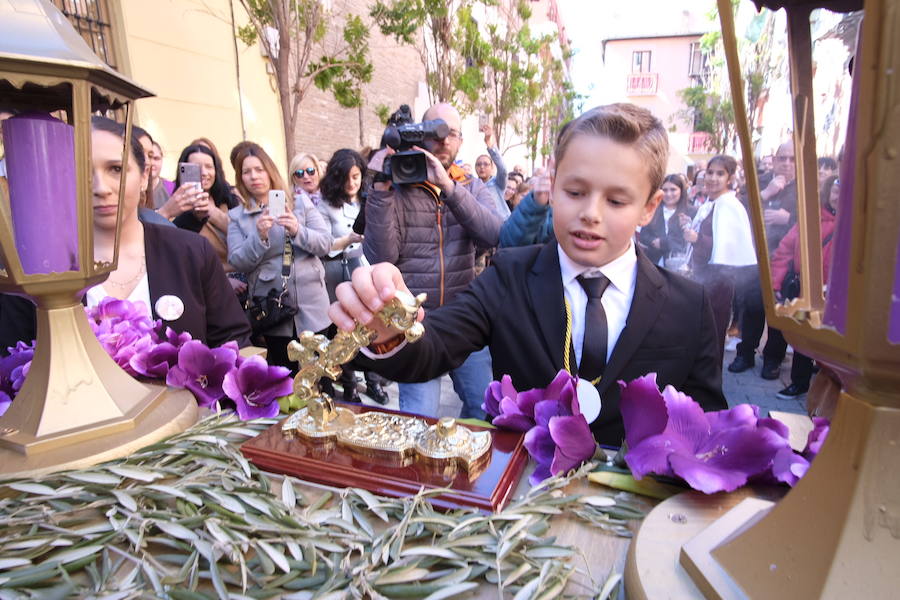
pixel 256 246
pixel 430 232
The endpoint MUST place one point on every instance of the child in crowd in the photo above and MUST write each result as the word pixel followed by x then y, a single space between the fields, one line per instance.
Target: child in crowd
pixel 664 235
pixel 626 317
pixel 723 241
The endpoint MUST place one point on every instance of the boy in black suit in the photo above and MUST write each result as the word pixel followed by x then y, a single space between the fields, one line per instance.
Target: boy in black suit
pixel 624 316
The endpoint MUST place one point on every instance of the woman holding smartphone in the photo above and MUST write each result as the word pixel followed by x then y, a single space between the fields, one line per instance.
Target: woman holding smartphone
pixel 209 215
pixel 256 246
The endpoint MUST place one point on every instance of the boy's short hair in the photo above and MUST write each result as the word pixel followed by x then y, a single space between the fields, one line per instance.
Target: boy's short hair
pixel 625 124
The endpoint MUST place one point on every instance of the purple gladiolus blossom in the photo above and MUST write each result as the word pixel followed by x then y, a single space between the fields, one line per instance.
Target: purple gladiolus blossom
pixel 511 409
pixel 152 359
pixel 712 453
pixel 202 370
pixel 561 439
pixel 255 388
pixel 111 314
pixel 816 437
pixel 174 338
pixel 643 409
pixel 122 342
pixel 13 370
pixel 788 466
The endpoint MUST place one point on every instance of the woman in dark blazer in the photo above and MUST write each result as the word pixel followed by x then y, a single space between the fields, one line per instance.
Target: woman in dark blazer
pixel 664 234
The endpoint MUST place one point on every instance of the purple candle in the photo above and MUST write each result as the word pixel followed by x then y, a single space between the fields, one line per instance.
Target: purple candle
pixel 40 165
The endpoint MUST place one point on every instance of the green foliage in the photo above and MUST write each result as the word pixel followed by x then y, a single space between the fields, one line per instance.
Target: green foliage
pixel 383 111
pixel 447 38
pixel 308 55
pixel 247 34
pixel 711 109
pixel 710 113
pixel 345 77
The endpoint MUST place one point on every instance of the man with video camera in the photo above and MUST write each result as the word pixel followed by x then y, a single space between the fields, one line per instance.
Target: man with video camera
pixel 424 215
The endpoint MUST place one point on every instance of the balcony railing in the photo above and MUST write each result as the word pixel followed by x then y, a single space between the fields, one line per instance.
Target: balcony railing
pixel 642 84
pixel 699 143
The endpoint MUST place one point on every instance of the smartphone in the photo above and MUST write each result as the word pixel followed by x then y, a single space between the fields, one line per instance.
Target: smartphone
pixel 276 203
pixel 189 173
pixel 482 120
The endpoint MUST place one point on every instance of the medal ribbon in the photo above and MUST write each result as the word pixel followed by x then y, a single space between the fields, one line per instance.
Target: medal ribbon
pixel 569 344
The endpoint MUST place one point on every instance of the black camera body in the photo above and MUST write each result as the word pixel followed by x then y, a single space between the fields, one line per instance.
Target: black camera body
pixel 407 165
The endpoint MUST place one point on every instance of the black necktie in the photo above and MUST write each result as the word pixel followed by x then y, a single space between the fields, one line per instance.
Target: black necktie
pixel 593 349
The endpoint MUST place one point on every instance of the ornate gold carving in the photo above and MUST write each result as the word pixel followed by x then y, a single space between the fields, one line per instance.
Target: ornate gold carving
pixel 374 432
pixel 318 357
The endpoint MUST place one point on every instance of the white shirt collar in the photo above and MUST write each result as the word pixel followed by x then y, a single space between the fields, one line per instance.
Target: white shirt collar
pixel 621 272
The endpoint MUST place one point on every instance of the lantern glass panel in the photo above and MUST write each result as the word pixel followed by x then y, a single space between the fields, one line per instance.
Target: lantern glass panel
pixel 40 167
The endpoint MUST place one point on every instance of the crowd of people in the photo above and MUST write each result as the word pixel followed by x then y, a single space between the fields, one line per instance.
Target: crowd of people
pixel 220 245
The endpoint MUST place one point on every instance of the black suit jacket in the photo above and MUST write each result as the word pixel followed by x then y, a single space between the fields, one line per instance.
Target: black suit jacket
pixel 517 308
pixel 179 263
pixel 184 264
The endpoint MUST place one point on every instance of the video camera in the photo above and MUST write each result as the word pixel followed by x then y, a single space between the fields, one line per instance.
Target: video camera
pixel 401 134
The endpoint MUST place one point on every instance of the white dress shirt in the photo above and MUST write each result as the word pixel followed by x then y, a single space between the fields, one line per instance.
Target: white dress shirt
pixel 616 301
pixel 140 293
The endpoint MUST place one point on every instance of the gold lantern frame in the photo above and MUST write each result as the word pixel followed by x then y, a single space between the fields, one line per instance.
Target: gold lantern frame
pixel 77 406
pixel 837 532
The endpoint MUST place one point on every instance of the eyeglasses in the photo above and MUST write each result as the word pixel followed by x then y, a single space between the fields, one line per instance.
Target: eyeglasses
pixel 308 170
pixel 454 135
pixel 784 158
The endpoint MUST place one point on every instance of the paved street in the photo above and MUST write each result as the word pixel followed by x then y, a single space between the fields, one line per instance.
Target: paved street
pixel 741 387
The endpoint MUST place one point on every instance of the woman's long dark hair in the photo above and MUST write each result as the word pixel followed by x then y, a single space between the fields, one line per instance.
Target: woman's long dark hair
pixel 220 192
pixel 336 174
pixel 678 181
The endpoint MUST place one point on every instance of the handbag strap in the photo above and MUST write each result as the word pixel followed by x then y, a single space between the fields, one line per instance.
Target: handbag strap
pixel 287 263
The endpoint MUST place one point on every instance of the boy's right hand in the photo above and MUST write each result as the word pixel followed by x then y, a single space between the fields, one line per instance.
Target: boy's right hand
pixel 359 299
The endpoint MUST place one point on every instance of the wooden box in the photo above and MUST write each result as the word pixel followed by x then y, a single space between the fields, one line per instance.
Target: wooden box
pixel 336 465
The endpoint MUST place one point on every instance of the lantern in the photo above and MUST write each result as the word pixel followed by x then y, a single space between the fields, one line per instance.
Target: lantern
pixel 837 533
pixel 76 406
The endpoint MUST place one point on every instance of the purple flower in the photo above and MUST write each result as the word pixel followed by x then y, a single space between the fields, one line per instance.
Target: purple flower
pixel 255 388
pixel 712 452
pixel 561 439
pixel 121 343
pixel 510 409
pixel 153 360
pixel 202 370
pixel 111 313
pixel 13 370
pixel 175 339
pixel 816 437
pixel 788 466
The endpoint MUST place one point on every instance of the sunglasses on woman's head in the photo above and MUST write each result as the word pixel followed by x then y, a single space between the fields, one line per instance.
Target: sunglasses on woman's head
pixel 308 170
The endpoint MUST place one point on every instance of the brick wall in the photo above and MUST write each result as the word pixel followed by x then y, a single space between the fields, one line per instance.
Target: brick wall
pixel 325 126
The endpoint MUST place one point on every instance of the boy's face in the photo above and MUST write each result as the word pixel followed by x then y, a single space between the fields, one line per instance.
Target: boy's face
pixel 600 195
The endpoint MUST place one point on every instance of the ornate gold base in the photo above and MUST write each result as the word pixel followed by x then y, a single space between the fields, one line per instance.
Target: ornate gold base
pixel 836 534
pixel 78 407
pixel 174 411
